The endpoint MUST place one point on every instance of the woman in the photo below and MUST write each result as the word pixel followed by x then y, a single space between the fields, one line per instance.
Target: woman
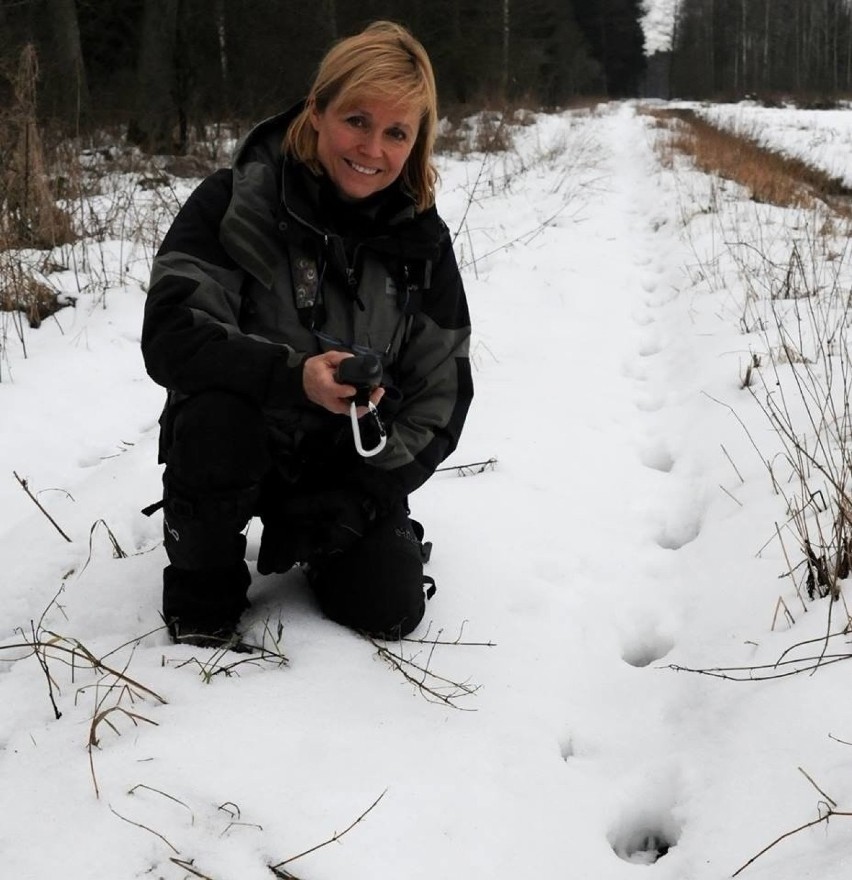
pixel 321 243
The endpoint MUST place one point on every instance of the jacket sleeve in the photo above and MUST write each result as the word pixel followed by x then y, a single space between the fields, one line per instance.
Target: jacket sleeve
pixel 191 337
pixel 434 376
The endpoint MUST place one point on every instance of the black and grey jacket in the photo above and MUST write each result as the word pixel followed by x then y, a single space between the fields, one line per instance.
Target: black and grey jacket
pixel 264 266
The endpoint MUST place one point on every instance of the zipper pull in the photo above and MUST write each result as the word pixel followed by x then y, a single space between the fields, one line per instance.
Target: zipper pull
pixel 352 281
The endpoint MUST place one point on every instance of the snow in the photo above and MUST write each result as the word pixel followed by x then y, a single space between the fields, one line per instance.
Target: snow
pixel 821 138
pixel 628 526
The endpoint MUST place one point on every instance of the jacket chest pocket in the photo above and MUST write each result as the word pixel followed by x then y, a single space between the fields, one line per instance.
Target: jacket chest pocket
pixel 380 325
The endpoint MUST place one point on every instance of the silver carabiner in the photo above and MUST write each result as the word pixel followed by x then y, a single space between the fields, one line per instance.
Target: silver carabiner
pixel 356 430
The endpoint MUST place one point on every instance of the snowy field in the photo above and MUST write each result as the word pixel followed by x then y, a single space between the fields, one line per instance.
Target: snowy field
pixel 635 522
pixel 822 138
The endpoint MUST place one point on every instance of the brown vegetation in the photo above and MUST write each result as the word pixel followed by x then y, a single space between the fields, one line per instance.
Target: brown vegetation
pixel 29 215
pixel 770 177
pixel 22 293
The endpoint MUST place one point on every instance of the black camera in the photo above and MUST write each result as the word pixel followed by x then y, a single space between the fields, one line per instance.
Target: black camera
pixel 364 371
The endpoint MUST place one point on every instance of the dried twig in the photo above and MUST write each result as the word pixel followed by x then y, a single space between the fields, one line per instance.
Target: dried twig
pixel 117 552
pixel 824 818
pixel 457 641
pixel 25 486
pixel 71 652
pixel 170 797
pixel 753 673
pixel 283 873
pixel 474 467
pixel 799 664
pixel 434 687
pixel 187 865
pixel 268 651
pixel 778 606
pixel 461 644
pixel 42 661
pixel 830 800
pixel 146 828
pixel 278 869
pixel 492 141
pixel 103 715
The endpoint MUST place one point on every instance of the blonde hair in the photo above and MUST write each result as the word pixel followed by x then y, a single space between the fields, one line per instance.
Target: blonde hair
pixel 383 61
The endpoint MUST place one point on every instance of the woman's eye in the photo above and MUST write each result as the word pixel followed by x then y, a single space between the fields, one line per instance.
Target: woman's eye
pixel 397 134
pixel 355 121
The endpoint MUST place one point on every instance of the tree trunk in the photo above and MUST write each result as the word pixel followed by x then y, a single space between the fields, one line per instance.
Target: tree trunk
pixel 73 82
pixel 156 110
pixel 835 54
pixel 222 34
pixel 766 75
pixel 504 72
pixel 848 76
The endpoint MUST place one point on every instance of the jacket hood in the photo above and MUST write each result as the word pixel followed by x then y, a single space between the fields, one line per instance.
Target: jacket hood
pixel 263 142
pixel 249 229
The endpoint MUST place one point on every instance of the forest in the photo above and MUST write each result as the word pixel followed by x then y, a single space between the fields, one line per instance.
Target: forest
pixel 161 69
pixel 729 49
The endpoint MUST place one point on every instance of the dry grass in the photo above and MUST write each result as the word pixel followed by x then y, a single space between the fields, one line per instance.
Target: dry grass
pixel 804 383
pixel 770 177
pixel 30 216
pixel 793 274
pixel 20 292
pixel 487 132
pixel 490 130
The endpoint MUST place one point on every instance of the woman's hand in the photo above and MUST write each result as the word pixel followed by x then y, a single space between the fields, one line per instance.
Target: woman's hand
pixel 322 389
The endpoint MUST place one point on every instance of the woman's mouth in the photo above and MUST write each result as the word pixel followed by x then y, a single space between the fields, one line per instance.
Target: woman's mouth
pixel 361 169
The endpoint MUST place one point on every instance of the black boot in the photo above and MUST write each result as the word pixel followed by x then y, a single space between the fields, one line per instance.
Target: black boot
pixel 205 586
pixel 215 450
pixel 203 607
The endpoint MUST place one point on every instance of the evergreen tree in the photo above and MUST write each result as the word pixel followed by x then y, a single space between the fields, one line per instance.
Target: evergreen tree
pixel 550 57
pixel 613 29
pixel 109 36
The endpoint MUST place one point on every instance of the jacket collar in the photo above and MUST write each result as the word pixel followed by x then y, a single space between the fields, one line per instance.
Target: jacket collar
pixel 386 222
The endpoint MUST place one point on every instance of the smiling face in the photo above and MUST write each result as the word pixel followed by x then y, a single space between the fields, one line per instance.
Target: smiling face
pixel 363 146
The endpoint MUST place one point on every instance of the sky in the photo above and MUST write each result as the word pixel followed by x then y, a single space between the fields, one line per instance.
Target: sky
pixel 626 530
pixel 658 24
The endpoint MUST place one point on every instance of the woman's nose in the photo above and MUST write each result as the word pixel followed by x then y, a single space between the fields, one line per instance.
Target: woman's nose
pixel 371 144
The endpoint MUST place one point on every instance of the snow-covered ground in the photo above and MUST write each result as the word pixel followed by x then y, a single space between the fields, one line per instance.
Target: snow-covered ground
pixel 628 526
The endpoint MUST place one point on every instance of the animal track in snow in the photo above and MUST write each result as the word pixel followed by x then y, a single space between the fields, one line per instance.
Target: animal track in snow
pixel 645 648
pixel 676 534
pixel 650 345
pixel 643 847
pixel 656 299
pixel 634 369
pixel 650 401
pixel 646 837
pixel 657 457
pixel 643 318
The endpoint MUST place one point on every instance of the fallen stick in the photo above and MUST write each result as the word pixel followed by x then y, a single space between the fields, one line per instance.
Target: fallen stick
pixel 35 501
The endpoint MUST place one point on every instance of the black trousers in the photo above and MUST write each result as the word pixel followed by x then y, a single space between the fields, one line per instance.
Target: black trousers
pixel 220 471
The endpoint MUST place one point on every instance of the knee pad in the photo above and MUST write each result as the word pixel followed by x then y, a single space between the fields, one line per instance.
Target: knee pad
pixel 203 531
pixel 378 587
